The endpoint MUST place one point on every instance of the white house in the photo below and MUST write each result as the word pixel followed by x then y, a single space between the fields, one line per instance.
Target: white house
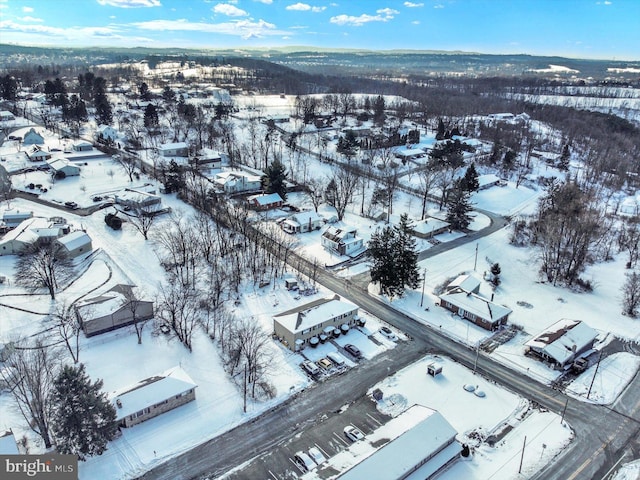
pixel 63 167
pixel 179 149
pixel 563 342
pixel 302 222
pixel 32 137
pixel 342 241
pixel 153 396
pixel 37 154
pixel 6 116
pixel 237 182
pixel 107 133
pixel 418 442
pixel 487 181
pixel 296 327
pixel 32 230
pixel 13 218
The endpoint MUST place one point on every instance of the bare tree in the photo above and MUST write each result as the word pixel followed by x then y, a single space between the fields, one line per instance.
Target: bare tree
pixel 43 266
pixel 178 308
pixel 631 294
pixel 341 188
pixel 142 219
pixel 29 373
pixel 629 240
pixel 133 303
pixel 428 180
pixel 69 327
pixel 126 164
pixel 315 191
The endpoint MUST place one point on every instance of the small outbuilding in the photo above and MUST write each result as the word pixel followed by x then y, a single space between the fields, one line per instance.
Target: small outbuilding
pixel 63 167
pixel 75 244
pixel 82 146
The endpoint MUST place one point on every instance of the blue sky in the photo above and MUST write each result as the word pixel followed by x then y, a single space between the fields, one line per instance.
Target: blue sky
pixel 607 29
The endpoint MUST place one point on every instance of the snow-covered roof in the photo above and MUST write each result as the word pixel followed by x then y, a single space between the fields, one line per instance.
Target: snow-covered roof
pixel 266 199
pixel 407 441
pixel 8 444
pixel 229 177
pixel 74 240
pixel 27 231
pixel 467 282
pixel 61 162
pixel 151 391
pixel 475 304
pixel 314 313
pixel 488 179
pixel 173 146
pixel 409 152
pixel 342 234
pixel 430 225
pixel 563 338
pixel 305 217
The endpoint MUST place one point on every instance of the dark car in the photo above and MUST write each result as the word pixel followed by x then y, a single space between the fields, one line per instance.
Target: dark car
pixel 73 205
pixel 353 350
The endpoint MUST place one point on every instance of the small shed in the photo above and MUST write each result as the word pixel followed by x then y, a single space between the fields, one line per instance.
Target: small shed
pixel 82 146
pixel 434 369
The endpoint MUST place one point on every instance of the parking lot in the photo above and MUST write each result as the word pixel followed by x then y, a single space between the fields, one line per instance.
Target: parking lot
pixel 325 433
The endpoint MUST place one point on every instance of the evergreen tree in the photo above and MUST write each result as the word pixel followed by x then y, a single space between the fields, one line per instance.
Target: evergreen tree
pixel 84 420
pixel 395 259
pixel 469 182
pixel 378 110
pixel 458 208
pixel 275 179
pixel 151 116
pixel 440 131
pixel 104 114
pixel 563 163
pixel 407 255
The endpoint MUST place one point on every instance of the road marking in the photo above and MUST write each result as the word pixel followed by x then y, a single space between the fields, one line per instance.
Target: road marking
pixel 271 473
pixel 614 466
pixel 340 439
pixel 596 454
pixel 376 421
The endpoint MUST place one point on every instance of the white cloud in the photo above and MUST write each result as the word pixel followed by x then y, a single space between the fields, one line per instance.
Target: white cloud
pixel 384 15
pixel 413 5
pixel 229 10
pixel 73 33
pixel 27 9
pixel 130 3
pixel 416 22
pixel 268 2
pixel 29 18
pixel 303 7
pixel 439 5
pixel 240 28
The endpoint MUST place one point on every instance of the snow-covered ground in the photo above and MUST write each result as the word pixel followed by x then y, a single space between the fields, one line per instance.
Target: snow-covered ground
pixel 629 471
pixel 477 418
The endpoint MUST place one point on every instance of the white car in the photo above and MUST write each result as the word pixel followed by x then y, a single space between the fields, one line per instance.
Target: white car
pixel 352 433
pixel 304 461
pixel 316 455
pixel 388 333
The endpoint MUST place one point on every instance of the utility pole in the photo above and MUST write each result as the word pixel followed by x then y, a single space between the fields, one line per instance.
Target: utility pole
pixel 594 375
pixel 522 456
pixel 245 388
pixel 475 364
pixel 424 279
pixel 475 262
pixel 564 410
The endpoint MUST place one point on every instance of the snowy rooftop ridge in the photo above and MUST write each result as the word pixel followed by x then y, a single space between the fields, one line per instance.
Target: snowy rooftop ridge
pixel 151 391
pixel 394 449
pixel 313 313
pixel 563 338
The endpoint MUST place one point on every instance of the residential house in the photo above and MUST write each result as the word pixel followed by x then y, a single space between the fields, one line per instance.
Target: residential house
pixel 237 182
pixel 153 396
pixel 75 244
pixel 61 167
pixel 13 218
pixel 107 133
pixel 208 159
pixel 179 149
pixel 462 298
pixel 37 154
pixel 133 199
pixel 82 146
pixel 430 227
pixel 8 445
pixel 358 132
pixel 296 327
pixel 342 241
pixel 265 201
pixel 32 230
pixel 487 181
pixel 563 342
pixel 113 309
pixel 302 222
pixel 418 442
pixel 406 153
pixel 32 137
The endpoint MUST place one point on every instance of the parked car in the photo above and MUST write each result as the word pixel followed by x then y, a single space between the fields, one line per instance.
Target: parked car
pixel 316 455
pixel 336 358
pixel 325 363
pixel 352 433
pixel 73 205
pixel 353 350
pixel 303 461
pixel 310 367
pixel 388 333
